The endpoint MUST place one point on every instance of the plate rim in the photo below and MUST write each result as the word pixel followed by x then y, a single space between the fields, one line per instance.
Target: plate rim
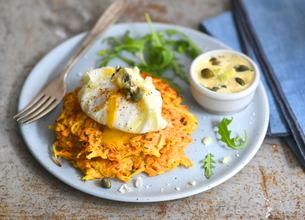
pixel 167 197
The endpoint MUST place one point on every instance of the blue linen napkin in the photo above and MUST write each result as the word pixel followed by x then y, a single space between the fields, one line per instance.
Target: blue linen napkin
pixel 280 27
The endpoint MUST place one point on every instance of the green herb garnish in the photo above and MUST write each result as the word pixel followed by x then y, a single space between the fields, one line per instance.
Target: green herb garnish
pixel 235 143
pixel 155 52
pixel 208 165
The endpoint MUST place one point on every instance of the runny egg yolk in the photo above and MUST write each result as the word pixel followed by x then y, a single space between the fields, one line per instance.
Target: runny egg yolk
pixel 112 109
pixel 113 136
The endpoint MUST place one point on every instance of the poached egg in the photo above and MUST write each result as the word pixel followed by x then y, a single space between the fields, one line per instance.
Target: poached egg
pixel 121 99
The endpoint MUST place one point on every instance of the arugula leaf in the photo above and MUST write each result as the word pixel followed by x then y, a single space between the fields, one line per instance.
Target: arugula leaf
pixel 208 165
pixel 235 143
pixel 155 38
pixel 188 46
pixel 155 52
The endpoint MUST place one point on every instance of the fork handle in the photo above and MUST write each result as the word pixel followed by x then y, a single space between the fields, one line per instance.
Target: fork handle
pixel 110 15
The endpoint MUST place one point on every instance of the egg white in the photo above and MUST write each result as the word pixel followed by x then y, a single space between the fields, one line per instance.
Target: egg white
pixel 101 100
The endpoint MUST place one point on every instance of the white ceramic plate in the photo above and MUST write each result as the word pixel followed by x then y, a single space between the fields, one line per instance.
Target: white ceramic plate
pixel 159 188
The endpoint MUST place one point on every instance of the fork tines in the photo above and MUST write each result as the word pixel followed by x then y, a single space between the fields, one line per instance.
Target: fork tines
pixel 39 107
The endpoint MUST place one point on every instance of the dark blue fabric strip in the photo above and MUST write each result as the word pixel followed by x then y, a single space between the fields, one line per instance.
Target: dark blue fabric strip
pixel 291 144
pixel 204 30
pixel 244 46
pixel 245 26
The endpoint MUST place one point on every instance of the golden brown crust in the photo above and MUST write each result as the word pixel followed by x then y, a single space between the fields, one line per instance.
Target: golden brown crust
pixel 79 139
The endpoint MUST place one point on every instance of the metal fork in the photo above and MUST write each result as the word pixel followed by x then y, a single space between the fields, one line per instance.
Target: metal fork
pixel 54 92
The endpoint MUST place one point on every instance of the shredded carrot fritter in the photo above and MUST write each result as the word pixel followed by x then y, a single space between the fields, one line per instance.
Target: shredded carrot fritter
pixel 103 153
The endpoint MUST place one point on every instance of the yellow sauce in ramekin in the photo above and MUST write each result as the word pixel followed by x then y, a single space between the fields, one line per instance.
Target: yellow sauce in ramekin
pixel 226 73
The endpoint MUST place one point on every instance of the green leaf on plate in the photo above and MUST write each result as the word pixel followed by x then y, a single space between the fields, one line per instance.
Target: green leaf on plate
pixel 235 143
pixel 154 53
pixel 208 165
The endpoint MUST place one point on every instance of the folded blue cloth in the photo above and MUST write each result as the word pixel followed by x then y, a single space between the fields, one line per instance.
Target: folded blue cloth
pixel 280 27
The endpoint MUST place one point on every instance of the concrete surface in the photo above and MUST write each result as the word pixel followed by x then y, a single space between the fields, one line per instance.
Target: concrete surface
pixel 271 186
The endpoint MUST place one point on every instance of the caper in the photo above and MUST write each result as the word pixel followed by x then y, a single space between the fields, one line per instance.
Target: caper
pixel 223 86
pixel 240 81
pixel 106 183
pixel 214 61
pixel 207 73
pixel 137 95
pixel 131 95
pixel 126 78
pixel 241 68
pixel 214 89
pixel 126 92
pixel 118 68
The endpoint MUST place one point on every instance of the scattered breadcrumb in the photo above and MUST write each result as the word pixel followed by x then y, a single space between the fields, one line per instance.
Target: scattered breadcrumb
pixel 138 182
pixel 225 160
pixel 192 183
pixel 125 189
pixel 206 140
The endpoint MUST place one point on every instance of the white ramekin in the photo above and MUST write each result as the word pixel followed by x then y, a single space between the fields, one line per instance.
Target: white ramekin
pixel 220 103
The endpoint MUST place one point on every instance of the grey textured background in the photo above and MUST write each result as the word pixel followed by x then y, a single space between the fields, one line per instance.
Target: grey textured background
pixel 272 185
